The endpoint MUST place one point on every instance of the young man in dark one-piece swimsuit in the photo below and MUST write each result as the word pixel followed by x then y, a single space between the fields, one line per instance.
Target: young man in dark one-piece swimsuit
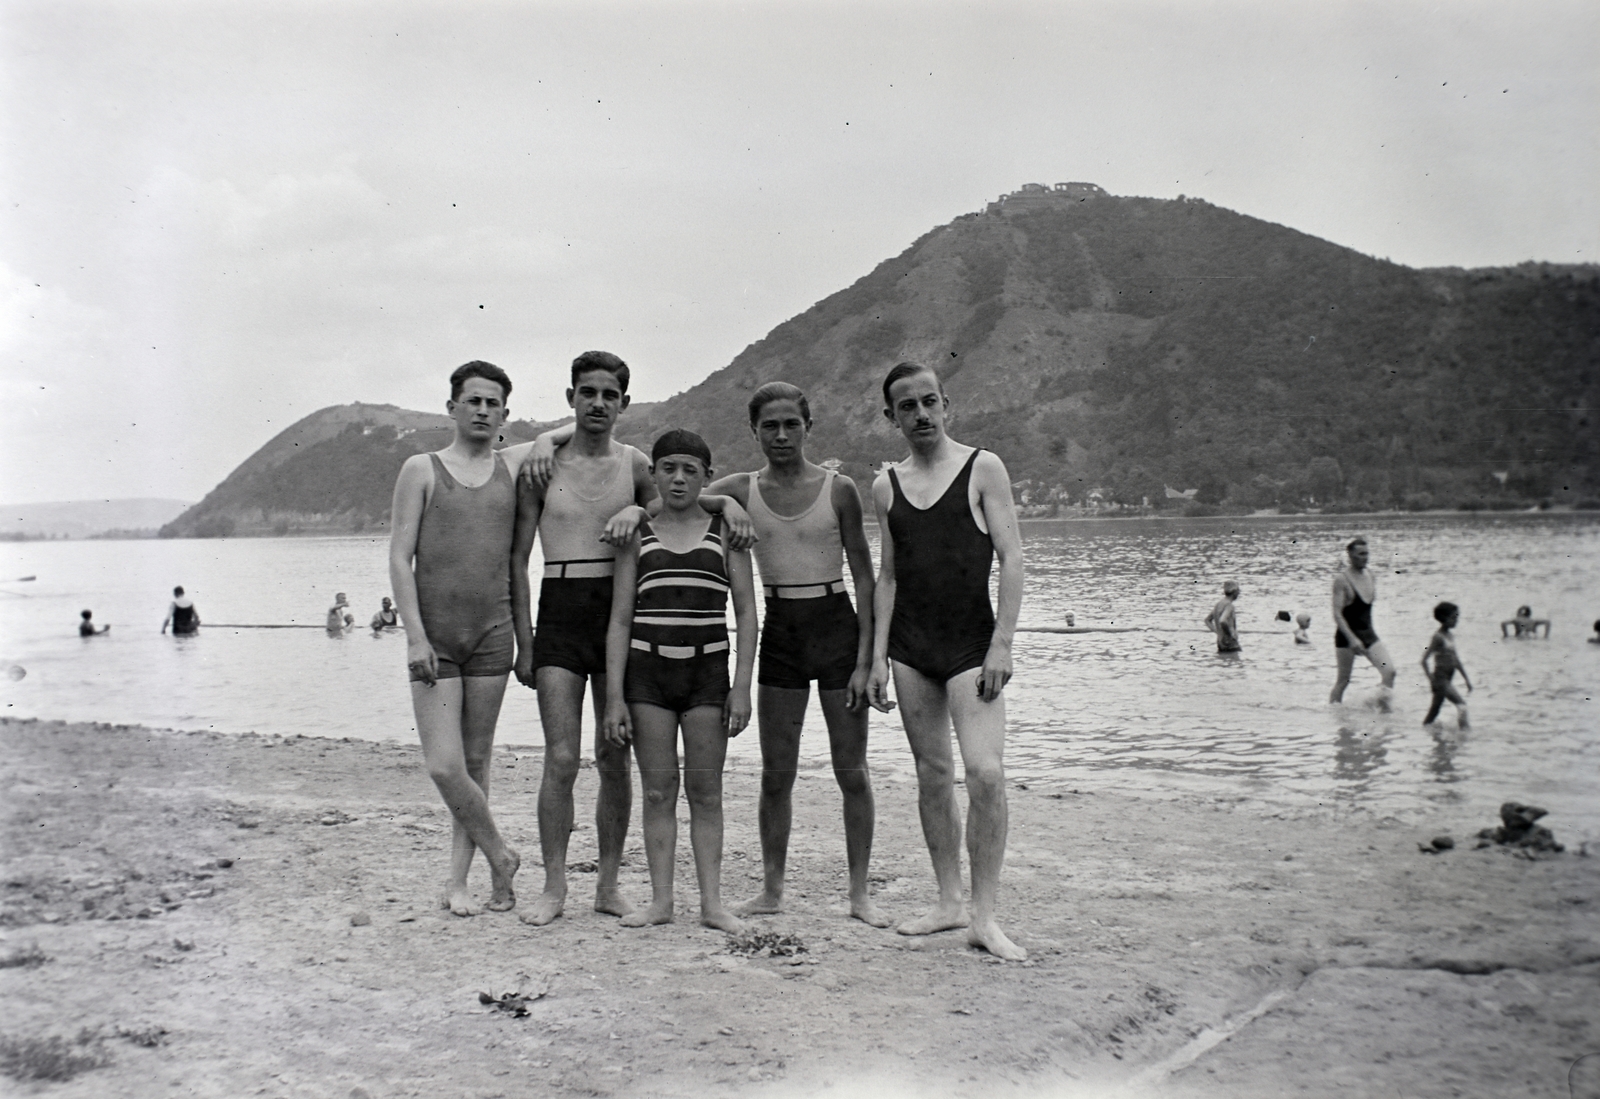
pixel 945 513
pixel 450 565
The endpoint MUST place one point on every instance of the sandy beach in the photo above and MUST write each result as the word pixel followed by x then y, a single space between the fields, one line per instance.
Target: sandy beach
pixel 216 915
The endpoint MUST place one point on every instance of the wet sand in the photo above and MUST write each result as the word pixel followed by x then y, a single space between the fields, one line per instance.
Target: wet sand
pixel 1178 945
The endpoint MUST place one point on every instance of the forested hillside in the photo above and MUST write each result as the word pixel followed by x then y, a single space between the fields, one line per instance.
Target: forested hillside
pixel 1108 348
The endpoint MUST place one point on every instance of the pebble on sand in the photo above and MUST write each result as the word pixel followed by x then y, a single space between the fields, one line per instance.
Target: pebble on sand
pixel 361 919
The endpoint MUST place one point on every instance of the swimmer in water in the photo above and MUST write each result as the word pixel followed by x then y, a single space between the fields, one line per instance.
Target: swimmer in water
pixel 1595 640
pixel 181 615
pixel 339 616
pixel 1525 624
pixel 86 627
pixel 1354 592
pixel 1221 620
pixel 1446 663
pixel 387 617
pixel 1302 627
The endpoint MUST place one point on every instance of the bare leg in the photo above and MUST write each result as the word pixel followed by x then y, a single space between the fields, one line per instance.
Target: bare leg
pixel 612 810
pixel 449 716
pixel 655 746
pixel 1347 663
pixel 981 733
pixel 847 738
pixel 780 712
pixel 561 714
pixel 705 749
pixel 1378 654
pixel 925 712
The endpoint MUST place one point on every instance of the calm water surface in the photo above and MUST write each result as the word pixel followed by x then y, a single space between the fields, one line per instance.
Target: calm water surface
pixel 1156 709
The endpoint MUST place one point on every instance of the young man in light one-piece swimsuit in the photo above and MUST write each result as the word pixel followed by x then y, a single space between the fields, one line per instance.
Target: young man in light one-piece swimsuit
pixel 450 563
pixel 946 514
pixel 808 520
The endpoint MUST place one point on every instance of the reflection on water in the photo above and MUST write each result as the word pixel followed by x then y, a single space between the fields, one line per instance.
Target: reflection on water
pixel 1157 708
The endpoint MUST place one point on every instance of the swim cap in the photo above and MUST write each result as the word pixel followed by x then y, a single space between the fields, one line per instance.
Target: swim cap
pixel 679 441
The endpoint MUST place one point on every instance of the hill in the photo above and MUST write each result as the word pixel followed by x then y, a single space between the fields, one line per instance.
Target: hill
pixel 1126 344
pixel 1107 348
pixel 87 518
pixel 329 473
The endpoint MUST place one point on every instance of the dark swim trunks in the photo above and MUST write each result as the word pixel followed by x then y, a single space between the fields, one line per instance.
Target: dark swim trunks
pixel 676 685
pixel 574 614
pixel 1368 638
pixel 1358 616
pixel 494 655
pixel 806 639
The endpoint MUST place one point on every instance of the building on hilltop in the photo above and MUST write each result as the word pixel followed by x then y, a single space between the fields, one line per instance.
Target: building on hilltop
pixel 1037 196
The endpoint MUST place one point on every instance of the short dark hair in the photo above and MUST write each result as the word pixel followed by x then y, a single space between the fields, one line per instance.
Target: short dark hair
pixel 905 370
pixel 778 391
pixel 178 590
pixel 88 614
pixel 477 368
pixel 1443 611
pixel 1353 543
pixel 600 360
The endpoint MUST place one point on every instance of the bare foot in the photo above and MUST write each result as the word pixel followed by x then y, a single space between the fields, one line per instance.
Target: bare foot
pixel 459 901
pixel 763 905
pixel 867 912
pixel 502 897
pixel 658 912
pixel 611 902
pixel 989 936
pixel 943 918
pixel 545 908
pixel 721 919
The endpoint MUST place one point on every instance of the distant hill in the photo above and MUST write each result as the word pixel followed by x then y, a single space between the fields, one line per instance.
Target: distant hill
pixel 1109 348
pixel 87 518
pixel 332 472
pixel 1128 344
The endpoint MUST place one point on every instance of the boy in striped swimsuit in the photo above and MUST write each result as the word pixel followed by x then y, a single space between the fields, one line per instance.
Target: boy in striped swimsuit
pixel 667 669
pixel 808 520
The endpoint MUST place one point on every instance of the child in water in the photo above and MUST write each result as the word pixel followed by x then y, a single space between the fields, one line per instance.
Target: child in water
pixel 1302 626
pixel 1446 663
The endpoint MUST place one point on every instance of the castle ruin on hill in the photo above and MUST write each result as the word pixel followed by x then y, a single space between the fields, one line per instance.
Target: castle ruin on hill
pixel 1038 196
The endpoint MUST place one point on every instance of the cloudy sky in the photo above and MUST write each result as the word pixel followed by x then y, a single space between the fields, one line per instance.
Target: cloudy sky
pixel 220 217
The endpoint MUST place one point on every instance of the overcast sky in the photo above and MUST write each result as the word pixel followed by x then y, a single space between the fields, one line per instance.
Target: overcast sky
pixel 220 217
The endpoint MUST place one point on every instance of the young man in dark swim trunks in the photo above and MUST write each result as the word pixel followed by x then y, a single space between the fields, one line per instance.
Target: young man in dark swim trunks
pixel 583 495
pixel 1354 592
pixel 808 520
pixel 450 564
pixel 945 513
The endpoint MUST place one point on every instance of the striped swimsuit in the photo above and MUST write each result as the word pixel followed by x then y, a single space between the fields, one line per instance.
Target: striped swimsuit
pixel 678 652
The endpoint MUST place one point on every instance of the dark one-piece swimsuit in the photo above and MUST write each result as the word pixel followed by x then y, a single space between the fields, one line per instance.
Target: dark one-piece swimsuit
pixel 943 620
pixel 1358 616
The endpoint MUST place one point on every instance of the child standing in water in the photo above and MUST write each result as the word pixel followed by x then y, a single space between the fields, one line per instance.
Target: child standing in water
pixel 1302 628
pixel 1445 665
pixel 667 669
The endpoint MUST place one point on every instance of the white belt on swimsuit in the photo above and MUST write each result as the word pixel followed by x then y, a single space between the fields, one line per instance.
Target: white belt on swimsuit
pixel 678 652
pixel 803 591
pixel 588 569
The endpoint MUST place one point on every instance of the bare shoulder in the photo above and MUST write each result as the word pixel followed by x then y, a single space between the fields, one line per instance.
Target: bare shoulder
pixel 845 493
pixel 990 473
pixel 516 454
pixel 736 485
pixel 882 493
pixel 417 469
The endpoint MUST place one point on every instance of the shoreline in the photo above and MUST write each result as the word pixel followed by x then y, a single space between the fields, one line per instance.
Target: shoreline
pixel 1179 945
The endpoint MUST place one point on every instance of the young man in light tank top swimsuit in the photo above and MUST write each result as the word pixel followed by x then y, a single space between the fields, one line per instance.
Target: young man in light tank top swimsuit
pixel 574 484
pixel 945 514
pixel 808 520
pixel 449 561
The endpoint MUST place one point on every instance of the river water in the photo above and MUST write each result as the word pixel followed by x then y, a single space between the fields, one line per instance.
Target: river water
pixel 1153 709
